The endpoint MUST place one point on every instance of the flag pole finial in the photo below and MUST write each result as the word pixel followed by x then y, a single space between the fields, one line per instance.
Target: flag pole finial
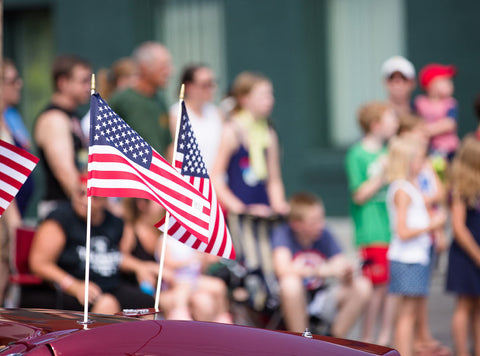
pixel 92 88
pixel 182 92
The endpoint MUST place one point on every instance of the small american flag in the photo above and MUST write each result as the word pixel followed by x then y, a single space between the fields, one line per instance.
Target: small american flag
pixel 16 165
pixel 123 164
pixel 189 161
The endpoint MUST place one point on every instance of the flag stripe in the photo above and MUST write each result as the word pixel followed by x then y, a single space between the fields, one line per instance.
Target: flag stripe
pixel 6 196
pixel 187 156
pixel 120 168
pixel 19 155
pixel 6 179
pixel 121 178
pixel 16 165
pixel 123 164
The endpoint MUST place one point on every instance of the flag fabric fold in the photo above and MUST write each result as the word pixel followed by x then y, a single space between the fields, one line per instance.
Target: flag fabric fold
pixel 16 164
pixel 122 164
pixel 189 161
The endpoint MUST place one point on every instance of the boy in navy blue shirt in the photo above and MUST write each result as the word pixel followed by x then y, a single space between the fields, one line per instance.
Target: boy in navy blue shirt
pixel 305 256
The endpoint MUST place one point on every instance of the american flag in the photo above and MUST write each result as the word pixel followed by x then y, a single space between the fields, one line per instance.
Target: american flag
pixel 123 164
pixel 16 165
pixel 189 161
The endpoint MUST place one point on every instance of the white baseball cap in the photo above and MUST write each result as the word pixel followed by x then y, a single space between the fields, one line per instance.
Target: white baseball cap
pixel 398 64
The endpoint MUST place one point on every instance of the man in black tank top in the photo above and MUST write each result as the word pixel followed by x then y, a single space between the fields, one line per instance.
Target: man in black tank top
pixel 58 135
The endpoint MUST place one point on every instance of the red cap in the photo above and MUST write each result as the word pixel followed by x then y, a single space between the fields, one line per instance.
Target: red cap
pixel 435 70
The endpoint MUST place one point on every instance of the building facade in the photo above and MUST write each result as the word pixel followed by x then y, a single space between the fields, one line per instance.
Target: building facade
pixel 323 56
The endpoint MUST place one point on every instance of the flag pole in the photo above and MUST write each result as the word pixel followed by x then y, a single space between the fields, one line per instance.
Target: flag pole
pixel 89 223
pixel 167 215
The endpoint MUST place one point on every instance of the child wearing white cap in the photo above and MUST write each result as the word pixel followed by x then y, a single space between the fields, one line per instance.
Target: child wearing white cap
pixel 399 80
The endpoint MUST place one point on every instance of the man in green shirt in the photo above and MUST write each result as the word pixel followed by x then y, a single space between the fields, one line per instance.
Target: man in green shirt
pixel 142 106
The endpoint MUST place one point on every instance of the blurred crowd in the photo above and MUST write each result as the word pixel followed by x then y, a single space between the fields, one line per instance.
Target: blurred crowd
pixel 411 181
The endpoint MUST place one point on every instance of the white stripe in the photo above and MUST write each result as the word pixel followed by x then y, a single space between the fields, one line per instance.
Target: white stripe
pixel 10 189
pixel 122 183
pixel 191 240
pixel 12 173
pixel 123 167
pixel 4 203
pixel 130 184
pixel 169 168
pixel 146 186
pixel 17 158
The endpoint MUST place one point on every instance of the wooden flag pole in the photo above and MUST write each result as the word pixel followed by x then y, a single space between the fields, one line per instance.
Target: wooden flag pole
pixel 89 224
pixel 167 215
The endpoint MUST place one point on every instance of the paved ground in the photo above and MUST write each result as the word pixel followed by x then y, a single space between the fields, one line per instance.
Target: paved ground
pixel 440 304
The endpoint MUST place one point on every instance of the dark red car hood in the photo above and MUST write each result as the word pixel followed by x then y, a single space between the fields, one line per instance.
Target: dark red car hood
pixel 49 332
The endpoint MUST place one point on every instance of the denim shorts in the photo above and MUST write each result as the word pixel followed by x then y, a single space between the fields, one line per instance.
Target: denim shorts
pixel 409 279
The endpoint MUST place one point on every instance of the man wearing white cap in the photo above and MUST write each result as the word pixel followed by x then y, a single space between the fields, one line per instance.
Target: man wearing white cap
pixel 399 76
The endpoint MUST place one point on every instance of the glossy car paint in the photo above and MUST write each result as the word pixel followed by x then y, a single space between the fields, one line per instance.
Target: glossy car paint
pixel 49 332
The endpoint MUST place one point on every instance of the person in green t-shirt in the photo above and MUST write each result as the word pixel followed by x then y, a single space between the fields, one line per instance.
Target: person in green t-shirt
pixel 365 163
pixel 142 106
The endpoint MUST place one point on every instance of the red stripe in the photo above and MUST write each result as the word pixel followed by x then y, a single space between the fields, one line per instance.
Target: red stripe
pixel 214 236
pixel 174 228
pixel 131 176
pixel 196 244
pixel 185 237
pixel 173 193
pixel 19 151
pixel 116 175
pixel 224 242
pixel 1 211
pixel 117 158
pixel 135 192
pixel 232 252
pixel 120 192
pixel 14 165
pixel 163 171
pixel 10 181
pixel 159 224
pixel 6 196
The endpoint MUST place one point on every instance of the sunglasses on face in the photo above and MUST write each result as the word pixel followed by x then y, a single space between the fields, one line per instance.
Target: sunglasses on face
pixel 206 84
pixel 397 76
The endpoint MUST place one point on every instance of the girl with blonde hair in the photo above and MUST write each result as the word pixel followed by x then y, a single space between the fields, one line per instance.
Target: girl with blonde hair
pixel 409 250
pixel 248 154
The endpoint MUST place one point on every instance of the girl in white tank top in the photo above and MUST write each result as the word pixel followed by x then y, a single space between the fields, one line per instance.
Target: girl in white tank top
pixel 409 249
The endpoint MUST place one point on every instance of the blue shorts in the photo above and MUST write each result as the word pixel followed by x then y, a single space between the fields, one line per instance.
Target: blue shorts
pixel 409 279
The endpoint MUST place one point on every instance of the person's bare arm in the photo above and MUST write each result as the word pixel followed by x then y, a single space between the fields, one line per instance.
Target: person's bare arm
pixel 47 245
pixel 144 270
pixel 13 218
pixel 53 135
pixel 283 263
pixel 461 233
pixel 275 187
pixel 404 232
pixel 337 266
pixel 371 186
pixel 447 124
